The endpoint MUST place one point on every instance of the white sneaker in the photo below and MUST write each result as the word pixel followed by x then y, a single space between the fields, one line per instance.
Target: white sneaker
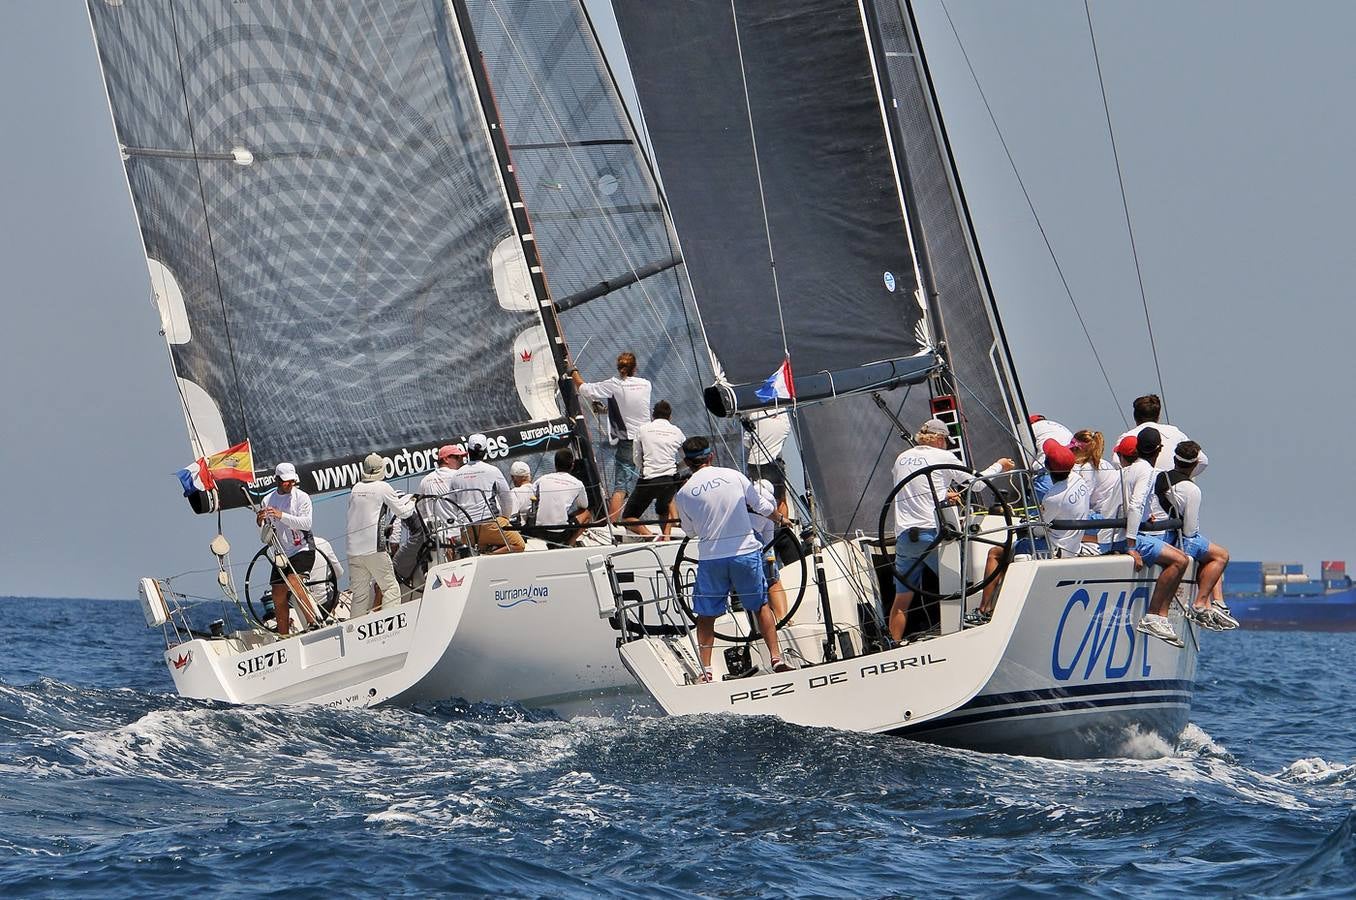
pixel 1157 626
pixel 1221 613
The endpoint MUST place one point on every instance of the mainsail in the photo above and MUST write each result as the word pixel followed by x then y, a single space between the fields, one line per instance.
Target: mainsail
pixel 332 248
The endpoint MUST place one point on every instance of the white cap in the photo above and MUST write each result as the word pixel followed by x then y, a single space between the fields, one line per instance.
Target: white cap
pixel 374 467
pixel 285 472
pixel 934 426
pixel 477 442
pixel 521 468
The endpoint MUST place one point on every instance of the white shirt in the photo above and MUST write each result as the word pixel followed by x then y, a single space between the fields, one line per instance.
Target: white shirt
pixel 657 444
pixel 325 562
pixel 1105 498
pixel 522 499
pixel 1043 431
pixel 768 438
pixel 914 505
pixel 557 494
pixel 714 506
pixel 365 503
pixel 628 401
pixel 438 483
pixel 763 526
pixel 295 507
pixel 1138 484
pixel 1186 496
pixel 1068 499
pixel 475 484
pixel 1172 436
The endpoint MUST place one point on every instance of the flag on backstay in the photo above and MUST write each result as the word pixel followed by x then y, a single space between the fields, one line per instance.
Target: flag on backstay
pixel 232 464
pixel 779 385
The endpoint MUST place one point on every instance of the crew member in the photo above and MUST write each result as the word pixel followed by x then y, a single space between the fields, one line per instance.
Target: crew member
pixel 521 475
pixel 1146 549
pixel 562 502
pixel 441 513
pixel 1146 411
pixel 288 510
pixel 1103 479
pixel 1180 497
pixel 627 396
pixel 657 451
pixel 483 493
pixel 368 561
pixel 916 524
pixel 764 438
pixel 715 505
pixel 766 530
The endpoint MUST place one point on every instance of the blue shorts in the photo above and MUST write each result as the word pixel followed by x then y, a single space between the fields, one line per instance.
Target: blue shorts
pixel 1196 546
pixel 716 578
pixel 1025 545
pixel 624 474
pixel 1148 548
pixel 912 556
pixel 1113 546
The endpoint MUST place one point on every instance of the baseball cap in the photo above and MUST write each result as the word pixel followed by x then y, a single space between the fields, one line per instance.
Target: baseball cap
pixel 1058 458
pixel 477 442
pixel 520 468
pixel 285 471
pixel 374 467
pixel 449 450
pixel 1128 447
pixel 1149 443
pixel 1034 418
pixel 934 426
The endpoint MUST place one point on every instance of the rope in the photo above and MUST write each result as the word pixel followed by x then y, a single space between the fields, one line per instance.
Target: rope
pixel 1031 205
pixel 1125 206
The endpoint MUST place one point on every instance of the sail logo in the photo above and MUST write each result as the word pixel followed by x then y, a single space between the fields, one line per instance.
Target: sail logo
pixel 507 598
pixel 890 282
pixel 1108 641
pixel 182 660
pixel 273 659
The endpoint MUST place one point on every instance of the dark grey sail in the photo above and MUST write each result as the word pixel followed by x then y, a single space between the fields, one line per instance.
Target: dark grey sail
pixel 771 143
pixel 333 250
pixel 594 206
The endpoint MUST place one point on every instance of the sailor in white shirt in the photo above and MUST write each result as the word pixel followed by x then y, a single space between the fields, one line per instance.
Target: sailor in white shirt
pixel 916 526
pixel 1148 550
pixel 483 493
pixel 627 396
pixel 1042 430
pixel 764 438
pixel 562 502
pixel 1181 499
pixel 521 473
pixel 368 560
pixel 1103 478
pixel 441 514
pixel 288 512
pixel 658 444
pixel 1146 410
pixel 716 505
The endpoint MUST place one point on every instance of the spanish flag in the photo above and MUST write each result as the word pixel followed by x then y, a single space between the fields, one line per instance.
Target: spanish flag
pixel 234 463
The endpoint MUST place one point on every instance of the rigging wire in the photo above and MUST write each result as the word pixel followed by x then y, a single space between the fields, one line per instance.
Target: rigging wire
pixel 889 436
pixel 1125 206
pixel 1032 206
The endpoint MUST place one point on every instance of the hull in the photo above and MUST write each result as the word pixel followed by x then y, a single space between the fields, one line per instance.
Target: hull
pixel 1076 679
pixel 1322 612
pixel 1072 678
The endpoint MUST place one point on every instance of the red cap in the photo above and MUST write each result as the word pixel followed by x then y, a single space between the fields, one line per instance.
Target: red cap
pixel 1128 447
pixel 1034 418
pixel 1058 458
pixel 446 451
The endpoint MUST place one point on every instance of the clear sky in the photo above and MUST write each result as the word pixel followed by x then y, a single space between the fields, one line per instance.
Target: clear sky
pixel 1236 144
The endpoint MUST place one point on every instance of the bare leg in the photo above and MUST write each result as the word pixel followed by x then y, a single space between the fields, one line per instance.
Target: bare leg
pixel 1174 563
pixel 776 597
pixel 670 513
pixel 899 613
pixel 281 614
pixel 989 599
pixel 706 639
pixel 767 624
pixel 614 506
pixel 1209 573
pixel 304 605
pixel 634 526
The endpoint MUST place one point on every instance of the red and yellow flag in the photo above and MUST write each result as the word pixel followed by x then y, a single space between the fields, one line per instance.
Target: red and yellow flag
pixel 234 463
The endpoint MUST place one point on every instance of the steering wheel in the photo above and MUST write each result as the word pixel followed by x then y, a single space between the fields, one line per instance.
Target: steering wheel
pixel 948 533
pixel 682 558
pixel 324 591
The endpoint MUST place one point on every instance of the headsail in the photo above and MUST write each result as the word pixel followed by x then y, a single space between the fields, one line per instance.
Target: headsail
pixel 332 250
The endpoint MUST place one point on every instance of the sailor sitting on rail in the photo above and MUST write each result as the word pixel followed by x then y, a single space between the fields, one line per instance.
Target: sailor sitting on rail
pixel 562 502
pixel 916 523
pixel 483 493
pixel 1068 498
pixel 1148 550
pixel 1180 498
pixel 440 513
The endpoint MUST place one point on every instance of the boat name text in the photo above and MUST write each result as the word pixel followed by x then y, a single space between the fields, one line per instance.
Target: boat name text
pixel 255 664
pixel 829 679
pixel 383 626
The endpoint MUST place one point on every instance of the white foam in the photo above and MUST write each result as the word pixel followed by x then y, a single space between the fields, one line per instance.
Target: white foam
pixel 1315 770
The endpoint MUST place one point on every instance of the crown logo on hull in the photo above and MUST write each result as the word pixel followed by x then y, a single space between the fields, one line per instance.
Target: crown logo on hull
pixel 183 660
pixel 525 356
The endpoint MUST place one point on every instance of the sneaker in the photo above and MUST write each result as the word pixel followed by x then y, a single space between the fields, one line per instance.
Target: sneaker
pixel 1221 606
pixel 1205 617
pixel 779 666
pixel 1221 613
pixel 1157 626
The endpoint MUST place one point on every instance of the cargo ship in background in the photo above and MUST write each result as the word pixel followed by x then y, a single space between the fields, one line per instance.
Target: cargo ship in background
pixel 1281 597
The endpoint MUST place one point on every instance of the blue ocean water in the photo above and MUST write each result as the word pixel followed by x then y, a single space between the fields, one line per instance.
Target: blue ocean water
pixel 110 785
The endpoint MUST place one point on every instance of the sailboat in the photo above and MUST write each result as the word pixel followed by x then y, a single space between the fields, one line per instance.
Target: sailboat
pixel 350 214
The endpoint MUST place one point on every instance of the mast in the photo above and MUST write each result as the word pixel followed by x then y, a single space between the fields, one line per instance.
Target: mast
pixel 550 316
